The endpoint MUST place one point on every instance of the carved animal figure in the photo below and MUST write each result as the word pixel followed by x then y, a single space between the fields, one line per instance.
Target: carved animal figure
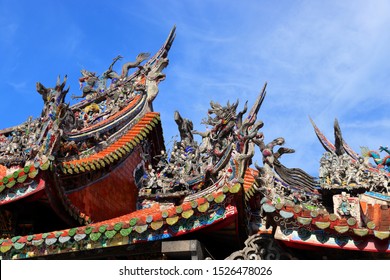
pixel 138 60
pixel 185 127
pixel 380 162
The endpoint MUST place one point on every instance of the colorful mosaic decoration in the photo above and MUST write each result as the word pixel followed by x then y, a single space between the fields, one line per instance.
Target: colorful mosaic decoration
pixel 97 177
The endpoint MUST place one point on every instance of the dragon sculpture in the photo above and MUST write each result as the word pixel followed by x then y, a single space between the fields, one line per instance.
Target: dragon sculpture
pixel 382 163
pixel 191 166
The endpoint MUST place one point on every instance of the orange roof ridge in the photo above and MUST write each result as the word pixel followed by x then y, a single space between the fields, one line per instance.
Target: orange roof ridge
pixel 121 142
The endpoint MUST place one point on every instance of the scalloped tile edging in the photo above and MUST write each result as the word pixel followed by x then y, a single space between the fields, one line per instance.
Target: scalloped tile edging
pixel 314 219
pixel 115 151
pixel 19 176
pixel 143 225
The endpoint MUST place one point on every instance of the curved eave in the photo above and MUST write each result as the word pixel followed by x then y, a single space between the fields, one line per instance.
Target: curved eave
pixel 316 241
pixel 20 191
pixel 314 220
pixel 328 146
pixel 121 148
pixel 140 226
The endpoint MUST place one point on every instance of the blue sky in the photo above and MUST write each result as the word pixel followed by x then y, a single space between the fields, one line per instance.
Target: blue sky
pixel 323 59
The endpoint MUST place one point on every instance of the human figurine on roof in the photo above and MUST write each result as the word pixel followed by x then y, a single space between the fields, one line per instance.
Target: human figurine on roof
pixel 324 169
pixel 90 79
pixel 344 208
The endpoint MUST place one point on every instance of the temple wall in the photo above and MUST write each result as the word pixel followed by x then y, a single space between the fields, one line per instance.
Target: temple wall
pixel 113 195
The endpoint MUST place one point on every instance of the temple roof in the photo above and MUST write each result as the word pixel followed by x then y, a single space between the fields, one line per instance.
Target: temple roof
pixel 118 149
pixel 154 223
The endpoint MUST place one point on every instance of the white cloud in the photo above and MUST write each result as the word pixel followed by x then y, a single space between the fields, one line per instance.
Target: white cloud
pixel 318 57
pixel 18 86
